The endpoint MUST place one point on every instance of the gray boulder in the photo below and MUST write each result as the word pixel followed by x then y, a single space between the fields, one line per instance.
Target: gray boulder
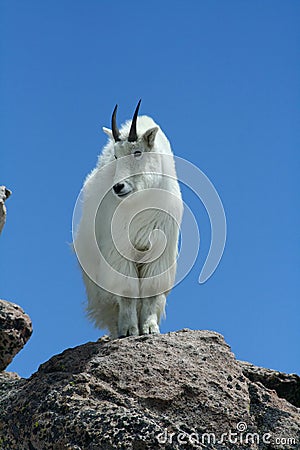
pixel 181 390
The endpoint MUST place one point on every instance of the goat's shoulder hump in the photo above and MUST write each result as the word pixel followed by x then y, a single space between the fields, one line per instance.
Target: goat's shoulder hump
pixel 143 124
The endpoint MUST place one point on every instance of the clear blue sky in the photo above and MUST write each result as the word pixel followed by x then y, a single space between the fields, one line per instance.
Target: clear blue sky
pixel 222 80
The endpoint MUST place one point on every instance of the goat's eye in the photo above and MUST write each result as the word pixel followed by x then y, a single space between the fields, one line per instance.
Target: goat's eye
pixel 115 156
pixel 137 154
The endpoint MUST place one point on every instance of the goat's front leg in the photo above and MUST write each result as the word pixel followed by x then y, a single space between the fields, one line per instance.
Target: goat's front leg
pixel 152 308
pixel 128 320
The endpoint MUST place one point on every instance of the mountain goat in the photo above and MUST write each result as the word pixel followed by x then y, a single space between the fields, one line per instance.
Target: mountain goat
pixel 127 237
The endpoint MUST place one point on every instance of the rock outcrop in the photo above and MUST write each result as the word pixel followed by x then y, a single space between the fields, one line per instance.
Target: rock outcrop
pixel 4 194
pixel 181 390
pixel 286 385
pixel 15 330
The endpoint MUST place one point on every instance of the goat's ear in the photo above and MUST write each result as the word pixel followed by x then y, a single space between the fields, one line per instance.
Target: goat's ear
pixel 149 136
pixel 108 132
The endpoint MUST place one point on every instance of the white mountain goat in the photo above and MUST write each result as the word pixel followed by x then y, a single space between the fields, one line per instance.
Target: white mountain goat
pixel 127 237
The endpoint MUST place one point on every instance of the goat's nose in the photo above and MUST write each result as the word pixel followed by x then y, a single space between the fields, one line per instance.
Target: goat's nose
pixel 118 188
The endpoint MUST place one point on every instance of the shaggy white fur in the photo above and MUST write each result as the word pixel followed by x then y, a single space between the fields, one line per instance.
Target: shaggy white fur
pixel 138 204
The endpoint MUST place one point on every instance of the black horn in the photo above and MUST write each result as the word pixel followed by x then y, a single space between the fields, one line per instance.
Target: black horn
pixel 132 133
pixel 114 127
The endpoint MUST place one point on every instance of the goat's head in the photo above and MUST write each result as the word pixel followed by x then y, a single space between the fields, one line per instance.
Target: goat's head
pixel 136 169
